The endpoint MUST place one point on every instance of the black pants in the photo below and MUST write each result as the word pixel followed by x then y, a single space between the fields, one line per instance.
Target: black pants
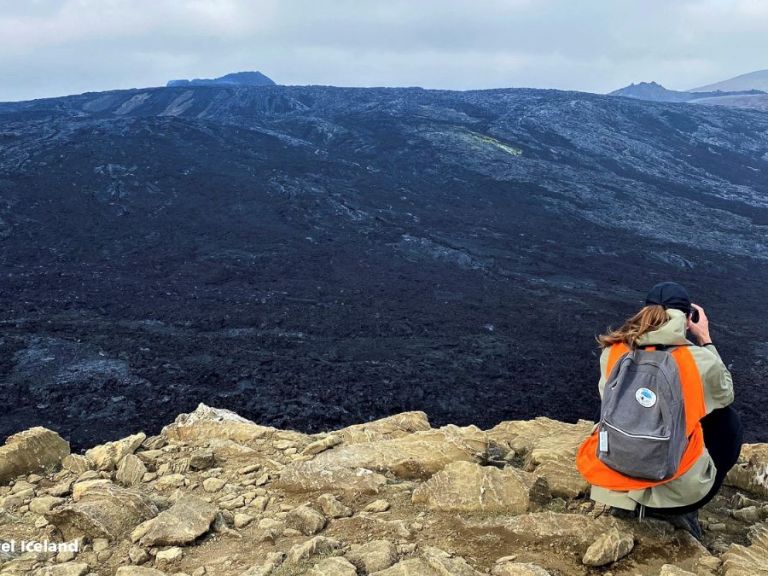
pixel 723 437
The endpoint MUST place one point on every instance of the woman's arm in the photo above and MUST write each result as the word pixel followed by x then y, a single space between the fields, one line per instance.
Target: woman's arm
pixel 715 376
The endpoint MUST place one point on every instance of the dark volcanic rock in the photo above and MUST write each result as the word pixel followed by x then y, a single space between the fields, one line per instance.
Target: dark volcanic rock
pixel 317 256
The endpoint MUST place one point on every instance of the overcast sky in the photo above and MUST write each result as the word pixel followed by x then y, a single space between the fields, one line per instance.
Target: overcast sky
pixel 51 48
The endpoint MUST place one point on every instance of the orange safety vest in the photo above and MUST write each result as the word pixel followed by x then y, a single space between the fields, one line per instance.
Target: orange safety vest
pixel 599 474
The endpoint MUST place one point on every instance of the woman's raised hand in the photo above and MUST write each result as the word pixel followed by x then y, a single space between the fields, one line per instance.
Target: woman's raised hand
pixel 700 329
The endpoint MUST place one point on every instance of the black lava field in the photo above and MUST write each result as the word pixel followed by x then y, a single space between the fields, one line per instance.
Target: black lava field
pixel 312 257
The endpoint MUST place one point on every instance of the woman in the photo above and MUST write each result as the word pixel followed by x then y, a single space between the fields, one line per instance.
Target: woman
pixel 662 325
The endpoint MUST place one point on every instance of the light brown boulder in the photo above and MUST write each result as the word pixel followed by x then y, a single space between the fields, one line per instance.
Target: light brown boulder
pixel 61 488
pixel 169 555
pixel 130 470
pixel 189 518
pixel 202 460
pixel 106 456
pixel 21 565
pixel 416 456
pixel 331 507
pixel 150 456
pixel 751 471
pixel 310 478
pixel 334 566
pixel 373 556
pixel 469 487
pixel 388 428
pixel 321 445
pixel 23 487
pixel 65 556
pixel 169 482
pixel 33 450
pixel 81 488
pixel 548 449
pixel 11 502
pixel 313 547
pixel 260 503
pixel 104 511
pixel 154 442
pixel 44 504
pixel 100 544
pixel 232 502
pixel 379 505
pixel 225 450
pixel 138 555
pixel 749 560
pixel 518 569
pixel 306 520
pixel 707 565
pixel 212 485
pixel 540 439
pixel 609 547
pixel 563 479
pixel 750 514
pixel 66 569
pixel 88 475
pixel 242 520
pixel 76 463
pixel 206 424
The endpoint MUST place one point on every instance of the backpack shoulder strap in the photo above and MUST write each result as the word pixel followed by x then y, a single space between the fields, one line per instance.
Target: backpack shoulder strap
pixel 662 347
pixel 615 353
pixel 692 388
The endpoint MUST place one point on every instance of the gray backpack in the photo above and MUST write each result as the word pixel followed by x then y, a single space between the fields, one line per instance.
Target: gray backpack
pixel 642 416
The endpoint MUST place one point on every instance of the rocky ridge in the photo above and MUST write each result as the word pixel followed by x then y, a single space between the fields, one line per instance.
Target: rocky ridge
pixel 216 494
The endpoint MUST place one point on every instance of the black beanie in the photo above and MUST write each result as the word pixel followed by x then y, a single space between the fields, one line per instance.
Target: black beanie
pixel 669 295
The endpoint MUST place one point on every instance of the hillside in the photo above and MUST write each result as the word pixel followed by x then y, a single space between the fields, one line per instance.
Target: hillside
pixel 757 80
pixel 654 92
pixel 217 495
pixel 748 101
pixel 314 257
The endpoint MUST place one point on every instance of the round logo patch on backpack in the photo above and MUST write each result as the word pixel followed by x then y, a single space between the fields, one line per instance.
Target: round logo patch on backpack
pixel 645 397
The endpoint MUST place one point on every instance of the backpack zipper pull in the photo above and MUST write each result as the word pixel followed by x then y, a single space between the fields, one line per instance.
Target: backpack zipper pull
pixel 603 441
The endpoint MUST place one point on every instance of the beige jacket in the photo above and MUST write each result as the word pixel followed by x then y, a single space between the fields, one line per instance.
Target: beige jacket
pixel 718 393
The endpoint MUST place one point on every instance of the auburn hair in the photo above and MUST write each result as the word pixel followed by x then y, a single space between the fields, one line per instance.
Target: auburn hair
pixel 649 318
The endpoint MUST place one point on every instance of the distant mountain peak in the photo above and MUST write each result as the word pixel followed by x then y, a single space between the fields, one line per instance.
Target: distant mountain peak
pixel 655 92
pixel 650 91
pixel 651 83
pixel 249 78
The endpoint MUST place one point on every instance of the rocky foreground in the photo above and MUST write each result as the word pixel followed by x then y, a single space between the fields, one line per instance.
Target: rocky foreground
pixel 215 494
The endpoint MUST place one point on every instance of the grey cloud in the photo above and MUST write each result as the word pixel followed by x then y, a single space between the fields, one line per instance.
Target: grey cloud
pixel 57 47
